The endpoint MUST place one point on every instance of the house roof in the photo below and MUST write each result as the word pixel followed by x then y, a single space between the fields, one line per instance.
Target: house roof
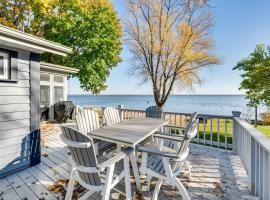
pixel 57 68
pixel 18 39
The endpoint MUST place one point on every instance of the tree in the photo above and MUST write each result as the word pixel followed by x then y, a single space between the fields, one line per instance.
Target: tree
pixel 169 42
pixel 90 27
pixel 93 29
pixel 15 14
pixel 256 76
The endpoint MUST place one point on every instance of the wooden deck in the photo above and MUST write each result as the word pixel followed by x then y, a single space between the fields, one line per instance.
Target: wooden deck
pixel 216 174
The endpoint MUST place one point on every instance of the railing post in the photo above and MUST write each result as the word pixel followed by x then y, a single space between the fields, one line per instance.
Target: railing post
pixel 252 173
pixel 121 113
pixel 235 134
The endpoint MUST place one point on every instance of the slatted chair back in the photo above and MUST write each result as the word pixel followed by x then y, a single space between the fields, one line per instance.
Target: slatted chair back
pixel 87 120
pixel 154 112
pixel 191 132
pixel 111 116
pixel 83 154
pixel 192 119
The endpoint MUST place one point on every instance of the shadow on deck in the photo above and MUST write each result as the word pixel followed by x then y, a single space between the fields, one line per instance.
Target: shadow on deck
pixel 216 174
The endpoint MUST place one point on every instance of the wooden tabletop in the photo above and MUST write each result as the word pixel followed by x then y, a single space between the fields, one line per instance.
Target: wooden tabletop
pixel 129 133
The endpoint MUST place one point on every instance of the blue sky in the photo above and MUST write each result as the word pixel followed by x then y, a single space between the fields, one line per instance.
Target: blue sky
pixel 239 26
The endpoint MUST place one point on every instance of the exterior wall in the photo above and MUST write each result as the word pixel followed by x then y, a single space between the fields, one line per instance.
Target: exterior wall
pixel 16 124
pixel 35 156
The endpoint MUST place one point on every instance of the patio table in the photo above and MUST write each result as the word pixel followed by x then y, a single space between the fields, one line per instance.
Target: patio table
pixel 130 133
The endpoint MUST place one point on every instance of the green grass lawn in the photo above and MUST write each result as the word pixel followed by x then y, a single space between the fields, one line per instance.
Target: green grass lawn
pixel 264 129
pixel 216 132
pixel 220 132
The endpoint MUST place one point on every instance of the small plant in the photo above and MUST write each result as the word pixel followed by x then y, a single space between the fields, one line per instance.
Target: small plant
pixel 265 117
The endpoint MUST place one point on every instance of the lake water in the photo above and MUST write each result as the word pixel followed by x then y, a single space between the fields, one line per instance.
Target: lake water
pixel 203 104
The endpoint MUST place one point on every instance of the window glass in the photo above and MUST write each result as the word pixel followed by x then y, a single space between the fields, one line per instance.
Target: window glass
pixel 45 95
pixel 4 65
pixel 58 79
pixel 45 77
pixel 58 94
pixel 1 65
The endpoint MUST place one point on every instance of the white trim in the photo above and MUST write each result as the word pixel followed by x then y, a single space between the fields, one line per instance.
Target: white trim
pixel 6 65
pixel 52 84
pixel 58 68
pixel 18 39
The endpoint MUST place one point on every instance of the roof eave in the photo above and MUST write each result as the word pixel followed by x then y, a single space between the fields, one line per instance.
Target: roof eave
pixel 23 40
pixel 59 68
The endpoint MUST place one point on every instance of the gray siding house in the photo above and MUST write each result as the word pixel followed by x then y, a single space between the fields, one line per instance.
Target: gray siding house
pixel 20 97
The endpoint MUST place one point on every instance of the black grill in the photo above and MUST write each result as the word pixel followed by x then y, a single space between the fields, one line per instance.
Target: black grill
pixel 63 111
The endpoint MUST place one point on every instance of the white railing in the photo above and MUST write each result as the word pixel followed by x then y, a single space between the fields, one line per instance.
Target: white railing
pixel 214 130
pixel 254 149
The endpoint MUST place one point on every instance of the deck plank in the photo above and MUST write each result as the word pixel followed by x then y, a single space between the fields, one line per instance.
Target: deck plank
pixel 43 179
pixel 11 195
pixel 216 174
pixel 7 191
pixel 39 190
pixel 21 188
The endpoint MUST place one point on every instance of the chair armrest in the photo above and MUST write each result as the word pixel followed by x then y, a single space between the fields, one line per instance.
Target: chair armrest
pixel 157 152
pixel 172 126
pixel 114 159
pixel 73 143
pixel 174 138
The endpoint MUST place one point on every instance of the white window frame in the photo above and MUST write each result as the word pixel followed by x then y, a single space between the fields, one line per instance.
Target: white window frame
pixel 6 65
pixel 47 83
pixel 51 83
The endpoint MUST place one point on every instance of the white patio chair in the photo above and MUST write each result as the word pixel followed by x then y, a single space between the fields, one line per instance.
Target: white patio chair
pixel 156 112
pixel 88 120
pixel 86 170
pixel 111 116
pixel 167 164
pixel 160 137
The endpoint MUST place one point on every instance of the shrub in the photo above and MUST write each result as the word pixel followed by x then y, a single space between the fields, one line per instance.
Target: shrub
pixel 266 117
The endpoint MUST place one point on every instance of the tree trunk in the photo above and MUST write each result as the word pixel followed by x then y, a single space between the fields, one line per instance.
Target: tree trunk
pixel 157 100
pixel 256 116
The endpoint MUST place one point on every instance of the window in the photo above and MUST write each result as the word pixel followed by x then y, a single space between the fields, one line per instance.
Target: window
pixel 45 77
pixel 45 94
pixel 58 93
pixel 4 66
pixel 52 88
pixel 58 79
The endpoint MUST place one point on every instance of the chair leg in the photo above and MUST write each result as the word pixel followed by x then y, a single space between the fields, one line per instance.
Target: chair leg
pixel 87 195
pixel 181 188
pixel 188 168
pixel 118 148
pixel 135 171
pixel 148 181
pixel 157 189
pixel 71 184
pixel 107 188
pixel 127 178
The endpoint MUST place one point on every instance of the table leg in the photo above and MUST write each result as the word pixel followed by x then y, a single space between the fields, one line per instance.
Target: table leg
pixel 135 170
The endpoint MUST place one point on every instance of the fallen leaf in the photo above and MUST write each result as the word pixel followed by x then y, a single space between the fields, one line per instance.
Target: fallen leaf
pixel 61 186
pixel 138 196
pixel 218 188
pixel 45 155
